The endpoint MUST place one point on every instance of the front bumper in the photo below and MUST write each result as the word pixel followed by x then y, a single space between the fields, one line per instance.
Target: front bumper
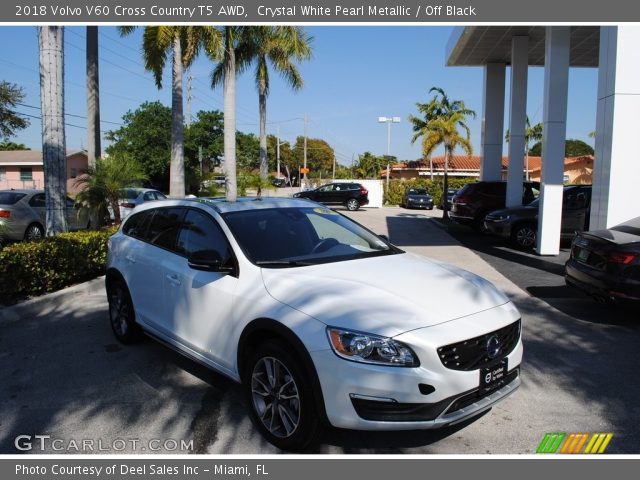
pixel 372 397
pixel 499 228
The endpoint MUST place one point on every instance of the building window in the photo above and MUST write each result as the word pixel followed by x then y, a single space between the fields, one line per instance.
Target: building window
pixel 74 173
pixel 26 173
pixel 3 174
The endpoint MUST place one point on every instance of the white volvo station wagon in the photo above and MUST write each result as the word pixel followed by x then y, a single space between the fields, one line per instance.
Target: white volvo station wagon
pixel 321 320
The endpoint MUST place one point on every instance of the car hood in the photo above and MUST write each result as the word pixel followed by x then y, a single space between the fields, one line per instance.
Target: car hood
pixel 385 295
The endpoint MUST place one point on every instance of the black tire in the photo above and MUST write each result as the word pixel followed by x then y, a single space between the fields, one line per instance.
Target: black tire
pixel 353 204
pixel 122 315
pixel 34 232
pixel 430 208
pixel 478 223
pixel 297 424
pixel 523 236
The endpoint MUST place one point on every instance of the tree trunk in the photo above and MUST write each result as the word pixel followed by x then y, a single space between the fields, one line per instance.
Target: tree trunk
pixel 93 97
pixel 262 99
pixel 51 44
pixel 230 117
pixel 445 186
pixel 176 170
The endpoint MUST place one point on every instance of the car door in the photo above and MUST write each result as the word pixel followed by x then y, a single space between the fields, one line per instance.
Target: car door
pixel 38 205
pixel 200 303
pixel 147 265
pixel 323 194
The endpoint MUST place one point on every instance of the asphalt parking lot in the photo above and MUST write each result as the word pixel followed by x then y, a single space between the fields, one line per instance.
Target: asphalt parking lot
pixel 64 375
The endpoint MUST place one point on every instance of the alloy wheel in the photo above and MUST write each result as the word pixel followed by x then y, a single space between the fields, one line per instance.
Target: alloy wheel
pixel 276 397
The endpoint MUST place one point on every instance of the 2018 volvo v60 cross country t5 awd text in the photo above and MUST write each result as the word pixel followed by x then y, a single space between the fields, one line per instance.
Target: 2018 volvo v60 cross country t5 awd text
pixel 319 319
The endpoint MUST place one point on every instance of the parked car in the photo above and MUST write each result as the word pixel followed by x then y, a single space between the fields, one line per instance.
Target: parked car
pixel 475 200
pixel 279 182
pixel 351 195
pixel 606 263
pixel 520 224
pixel 417 198
pixel 23 215
pixel 130 198
pixel 450 194
pixel 255 289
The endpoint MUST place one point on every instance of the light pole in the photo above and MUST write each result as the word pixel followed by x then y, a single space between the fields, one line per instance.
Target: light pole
pixel 388 121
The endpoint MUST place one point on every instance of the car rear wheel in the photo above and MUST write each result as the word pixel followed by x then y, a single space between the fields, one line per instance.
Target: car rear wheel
pixel 122 315
pixel 34 232
pixel 280 399
pixel 524 236
pixel 353 204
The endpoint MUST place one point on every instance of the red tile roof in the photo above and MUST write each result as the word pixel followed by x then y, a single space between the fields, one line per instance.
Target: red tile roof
pixel 472 163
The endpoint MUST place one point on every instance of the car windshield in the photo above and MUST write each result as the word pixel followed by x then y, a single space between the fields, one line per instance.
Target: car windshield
pixel 10 198
pixel 417 191
pixel 299 236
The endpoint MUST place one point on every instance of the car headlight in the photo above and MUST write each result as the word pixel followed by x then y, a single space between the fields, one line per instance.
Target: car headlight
pixel 368 348
pixel 296 195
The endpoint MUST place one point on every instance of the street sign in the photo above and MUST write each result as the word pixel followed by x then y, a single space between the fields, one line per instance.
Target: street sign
pixel 304 170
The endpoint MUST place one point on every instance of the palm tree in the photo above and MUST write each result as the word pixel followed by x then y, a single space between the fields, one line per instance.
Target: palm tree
pixel 182 44
pixel 442 119
pixel 93 96
pixel 281 46
pixel 51 46
pixel 531 134
pixel 103 182
pixel 225 73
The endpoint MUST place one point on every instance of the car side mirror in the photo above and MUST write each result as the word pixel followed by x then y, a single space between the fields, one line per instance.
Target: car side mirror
pixel 208 261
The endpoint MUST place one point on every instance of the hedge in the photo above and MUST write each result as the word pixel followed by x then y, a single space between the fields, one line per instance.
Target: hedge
pixel 395 193
pixel 34 268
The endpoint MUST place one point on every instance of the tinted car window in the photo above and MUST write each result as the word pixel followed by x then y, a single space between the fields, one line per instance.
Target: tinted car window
pixel 495 188
pixel 164 227
pixel 128 194
pixel 576 199
pixel 10 198
pixel 136 225
pixel 201 232
pixel 37 201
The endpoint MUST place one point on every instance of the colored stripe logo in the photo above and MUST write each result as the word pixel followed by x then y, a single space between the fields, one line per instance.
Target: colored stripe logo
pixel 568 443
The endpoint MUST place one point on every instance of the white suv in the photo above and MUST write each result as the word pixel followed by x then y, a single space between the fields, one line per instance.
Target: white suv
pixel 319 319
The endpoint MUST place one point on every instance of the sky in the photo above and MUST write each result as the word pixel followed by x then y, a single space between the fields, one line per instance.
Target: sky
pixel 357 74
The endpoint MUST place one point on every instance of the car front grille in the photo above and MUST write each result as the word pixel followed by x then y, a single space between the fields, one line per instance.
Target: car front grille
pixel 473 353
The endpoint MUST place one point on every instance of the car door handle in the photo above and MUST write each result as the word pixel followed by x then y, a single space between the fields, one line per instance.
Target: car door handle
pixel 173 279
pixel 130 258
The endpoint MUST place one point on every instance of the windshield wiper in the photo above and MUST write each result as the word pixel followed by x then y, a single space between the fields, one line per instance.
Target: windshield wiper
pixel 282 263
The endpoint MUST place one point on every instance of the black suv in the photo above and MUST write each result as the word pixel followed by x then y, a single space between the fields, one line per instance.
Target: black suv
pixel 473 201
pixel 351 195
pixel 520 224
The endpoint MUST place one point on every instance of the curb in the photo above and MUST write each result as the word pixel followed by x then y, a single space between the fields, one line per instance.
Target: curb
pixel 14 312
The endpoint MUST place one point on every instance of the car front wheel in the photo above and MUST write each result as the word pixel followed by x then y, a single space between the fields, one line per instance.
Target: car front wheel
pixel 524 236
pixel 353 205
pixel 280 398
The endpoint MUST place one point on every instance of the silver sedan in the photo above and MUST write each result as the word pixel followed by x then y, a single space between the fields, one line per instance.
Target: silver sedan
pixel 23 215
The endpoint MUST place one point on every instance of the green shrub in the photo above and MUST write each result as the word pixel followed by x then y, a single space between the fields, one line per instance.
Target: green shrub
pixel 34 268
pixel 395 193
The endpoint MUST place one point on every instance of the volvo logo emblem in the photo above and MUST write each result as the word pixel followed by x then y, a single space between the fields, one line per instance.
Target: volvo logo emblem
pixel 493 346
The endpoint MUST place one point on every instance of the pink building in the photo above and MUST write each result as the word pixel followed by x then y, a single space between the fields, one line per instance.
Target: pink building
pixel 23 169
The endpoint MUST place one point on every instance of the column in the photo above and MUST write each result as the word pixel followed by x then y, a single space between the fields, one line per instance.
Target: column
pixel 556 81
pixel 517 119
pixel 492 122
pixel 616 167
